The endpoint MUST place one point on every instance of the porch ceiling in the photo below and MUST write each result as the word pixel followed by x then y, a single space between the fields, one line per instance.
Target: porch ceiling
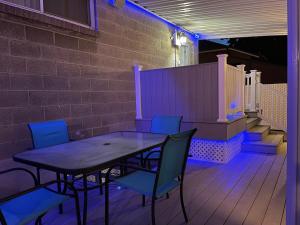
pixel 224 18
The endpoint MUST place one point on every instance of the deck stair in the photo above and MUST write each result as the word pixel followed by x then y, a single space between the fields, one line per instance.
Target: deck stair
pixel 260 139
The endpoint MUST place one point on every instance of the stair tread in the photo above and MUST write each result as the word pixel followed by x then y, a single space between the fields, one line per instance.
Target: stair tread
pixel 270 140
pixel 250 120
pixel 258 129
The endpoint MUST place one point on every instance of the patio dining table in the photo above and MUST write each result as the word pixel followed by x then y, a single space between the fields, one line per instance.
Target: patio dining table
pixel 90 155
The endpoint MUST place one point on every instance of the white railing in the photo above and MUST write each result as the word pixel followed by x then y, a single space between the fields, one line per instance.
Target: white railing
pixel 273 107
pixel 252 91
pixel 231 88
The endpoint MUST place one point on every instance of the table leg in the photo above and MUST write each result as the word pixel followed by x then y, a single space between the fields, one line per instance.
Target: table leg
pixel 85 196
pixel 59 190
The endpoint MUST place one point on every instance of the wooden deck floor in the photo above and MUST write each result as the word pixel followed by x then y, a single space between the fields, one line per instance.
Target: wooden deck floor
pixel 250 190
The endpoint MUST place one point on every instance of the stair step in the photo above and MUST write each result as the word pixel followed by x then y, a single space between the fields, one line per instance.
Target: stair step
pixel 269 145
pixel 252 114
pixel 251 122
pixel 257 133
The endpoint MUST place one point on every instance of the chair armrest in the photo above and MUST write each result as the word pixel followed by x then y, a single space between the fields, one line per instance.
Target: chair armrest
pixel 45 185
pixel 23 170
pixel 150 153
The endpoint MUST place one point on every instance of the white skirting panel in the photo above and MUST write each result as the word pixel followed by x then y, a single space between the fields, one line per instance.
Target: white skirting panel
pixel 216 151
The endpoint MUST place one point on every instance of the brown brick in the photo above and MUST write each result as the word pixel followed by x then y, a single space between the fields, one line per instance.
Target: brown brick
pixel 74 124
pixel 87 46
pixel 12 30
pixel 121 85
pixel 91 121
pixel 125 96
pixel 28 114
pixel 6 133
pixel 20 132
pixel 13 98
pixel 93 72
pixel 100 131
pixel 24 48
pixel 4 81
pixel 69 97
pixel 57 112
pixel 17 65
pixel 77 57
pixel 80 84
pixel 43 97
pixel 52 52
pixel 4 63
pixel 41 67
pixel 4 47
pixel 66 41
pixel 38 35
pixel 111 119
pixel 5 116
pixel 26 82
pixel 99 85
pixel 56 83
pixel 99 109
pixel 8 149
pixel 81 110
pixel 70 70
pixel 81 134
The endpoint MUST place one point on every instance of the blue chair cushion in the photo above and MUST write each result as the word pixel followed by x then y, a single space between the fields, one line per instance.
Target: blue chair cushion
pixel 49 133
pixel 143 183
pixel 25 208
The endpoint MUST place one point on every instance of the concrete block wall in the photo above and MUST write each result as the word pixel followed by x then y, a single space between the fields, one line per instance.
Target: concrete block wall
pixel 51 70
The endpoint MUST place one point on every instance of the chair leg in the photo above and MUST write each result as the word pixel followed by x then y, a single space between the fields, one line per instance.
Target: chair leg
pixel 143 200
pixel 182 203
pixel 38 175
pixel 59 190
pixel 77 207
pixel 167 195
pixel 149 164
pixel 38 221
pixel 100 183
pixel 153 210
pixel 106 202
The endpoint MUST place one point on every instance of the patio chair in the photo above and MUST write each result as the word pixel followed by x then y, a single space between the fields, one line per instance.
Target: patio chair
pixel 161 125
pixel 155 184
pixel 34 203
pixel 50 133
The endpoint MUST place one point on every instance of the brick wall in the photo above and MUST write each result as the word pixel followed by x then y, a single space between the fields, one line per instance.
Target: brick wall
pixel 47 72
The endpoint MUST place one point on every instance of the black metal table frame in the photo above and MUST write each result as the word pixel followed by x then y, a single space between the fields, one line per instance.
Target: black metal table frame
pixel 85 172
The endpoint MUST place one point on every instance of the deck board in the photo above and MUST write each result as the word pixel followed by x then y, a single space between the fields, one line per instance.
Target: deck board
pixel 248 190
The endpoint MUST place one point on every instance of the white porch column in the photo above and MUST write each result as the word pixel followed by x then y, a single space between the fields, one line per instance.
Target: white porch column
pixel 222 70
pixel 293 153
pixel 258 90
pixel 252 90
pixel 138 96
pixel 242 86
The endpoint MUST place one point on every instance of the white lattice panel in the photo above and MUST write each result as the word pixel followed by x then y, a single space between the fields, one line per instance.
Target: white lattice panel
pixel 216 151
pixel 274 105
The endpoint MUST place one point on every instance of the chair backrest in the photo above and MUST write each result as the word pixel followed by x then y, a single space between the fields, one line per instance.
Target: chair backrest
pixel 166 124
pixel 174 155
pixel 49 133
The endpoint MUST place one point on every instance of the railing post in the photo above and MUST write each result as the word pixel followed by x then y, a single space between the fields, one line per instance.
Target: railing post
pixel 138 96
pixel 242 88
pixel 222 70
pixel 257 91
pixel 252 90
